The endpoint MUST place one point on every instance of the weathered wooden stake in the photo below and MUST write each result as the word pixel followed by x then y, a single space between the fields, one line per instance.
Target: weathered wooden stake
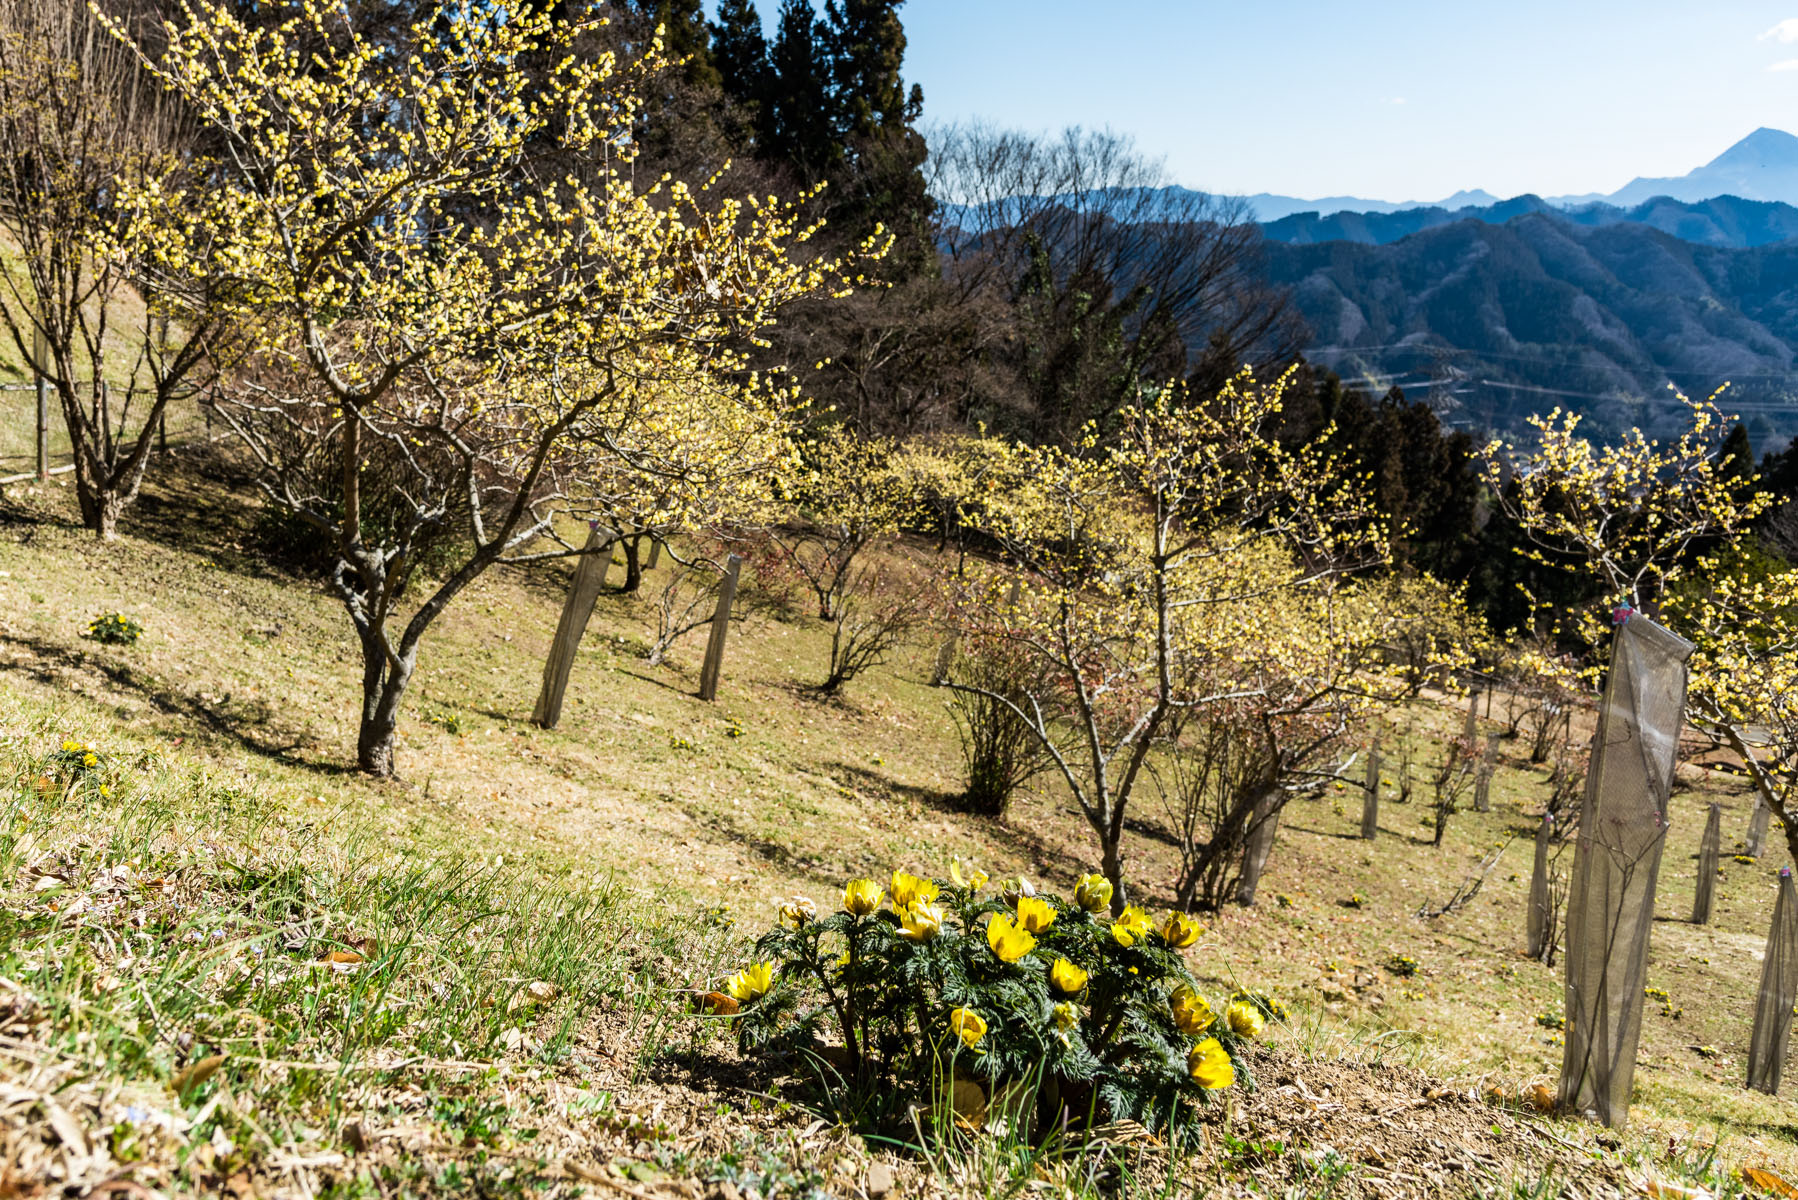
pixel 945 658
pixel 1482 784
pixel 583 591
pixel 655 553
pixel 1370 806
pixel 1540 918
pixel 714 649
pixel 1473 716
pixel 38 352
pixel 1708 851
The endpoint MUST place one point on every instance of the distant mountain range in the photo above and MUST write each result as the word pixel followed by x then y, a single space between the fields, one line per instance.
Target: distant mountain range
pixel 1762 166
pixel 1718 221
pixel 1491 322
pixel 1495 309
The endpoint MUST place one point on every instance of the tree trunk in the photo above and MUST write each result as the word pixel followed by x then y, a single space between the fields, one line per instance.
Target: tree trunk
pixel 1111 866
pixel 383 687
pixel 633 564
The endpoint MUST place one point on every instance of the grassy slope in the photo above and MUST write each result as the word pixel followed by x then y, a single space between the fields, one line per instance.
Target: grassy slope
pixel 248 676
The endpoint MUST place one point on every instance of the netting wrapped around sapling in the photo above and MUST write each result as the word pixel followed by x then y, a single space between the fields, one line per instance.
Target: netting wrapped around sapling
pixel 1617 858
pixel 1779 990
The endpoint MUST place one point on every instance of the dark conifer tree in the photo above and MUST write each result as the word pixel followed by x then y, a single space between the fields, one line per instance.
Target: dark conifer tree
pixel 740 54
pixel 802 128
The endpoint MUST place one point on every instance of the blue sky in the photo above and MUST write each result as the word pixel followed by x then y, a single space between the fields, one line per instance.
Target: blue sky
pixel 1382 99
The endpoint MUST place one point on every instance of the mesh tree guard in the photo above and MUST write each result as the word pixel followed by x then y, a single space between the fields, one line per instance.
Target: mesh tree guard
pixel 1779 988
pixel 1706 889
pixel 1622 831
pixel 1263 822
pixel 1757 829
pixel 1541 920
pixel 1370 806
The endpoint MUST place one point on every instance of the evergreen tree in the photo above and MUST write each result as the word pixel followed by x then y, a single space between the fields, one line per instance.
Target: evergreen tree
pixel 740 53
pixel 685 36
pixel 802 129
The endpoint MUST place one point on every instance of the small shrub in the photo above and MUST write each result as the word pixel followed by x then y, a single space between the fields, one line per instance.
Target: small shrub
pixel 1049 1003
pixel 1402 965
pixel 114 629
pixel 1001 752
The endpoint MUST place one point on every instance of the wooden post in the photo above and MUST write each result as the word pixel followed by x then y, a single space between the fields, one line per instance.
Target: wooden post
pixel 1473 714
pixel 655 553
pixel 589 576
pixel 1370 804
pixel 1482 787
pixel 714 649
pixel 38 351
pixel 945 658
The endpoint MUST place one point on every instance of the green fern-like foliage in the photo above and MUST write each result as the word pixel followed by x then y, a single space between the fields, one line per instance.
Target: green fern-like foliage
pixel 1096 1018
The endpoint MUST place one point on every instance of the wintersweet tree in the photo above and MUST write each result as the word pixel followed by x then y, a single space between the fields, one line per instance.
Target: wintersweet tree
pixel 850 494
pixel 1634 516
pixel 79 299
pixel 1151 571
pixel 470 323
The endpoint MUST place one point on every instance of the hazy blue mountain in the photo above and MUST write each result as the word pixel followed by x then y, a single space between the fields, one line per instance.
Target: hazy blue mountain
pixel 1719 221
pixel 1495 321
pixel 1762 166
pixel 1266 206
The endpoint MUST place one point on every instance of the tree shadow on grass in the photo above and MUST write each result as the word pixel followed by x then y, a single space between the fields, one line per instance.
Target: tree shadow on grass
pixel 1324 833
pixel 247 724
pixel 1022 843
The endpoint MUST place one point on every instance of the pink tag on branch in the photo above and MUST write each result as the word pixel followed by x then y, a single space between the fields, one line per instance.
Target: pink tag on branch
pixel 1621 614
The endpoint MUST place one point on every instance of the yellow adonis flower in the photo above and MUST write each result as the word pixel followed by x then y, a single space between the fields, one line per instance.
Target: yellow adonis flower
pixel 973 878
pixel 861 897
pixel 1132 927
pixel 90 759
pixel 1209 1066
pixel 968 1025
pixel 1067 977
pixel 1009 942
pixel 1066 1016
pixel 1035 915
pixel 1092 892
pixel 1245 1020
pixel 751 983
pixel 911 889
pixel 1181 931
pixel 1192 1013
pixel 920 922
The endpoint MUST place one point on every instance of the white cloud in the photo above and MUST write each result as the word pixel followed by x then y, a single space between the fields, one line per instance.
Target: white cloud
pixel 1395 99
pixel 1786 32
pixel 1788 64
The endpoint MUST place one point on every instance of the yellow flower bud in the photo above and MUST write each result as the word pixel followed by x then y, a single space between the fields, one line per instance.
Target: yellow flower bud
pixel 1209 1065
pixel 1192 1014
pixel 1092 892
pixel 1132 927
pixel 861 897
pixel 1035 915
pixel 1245 1020
pixel 1067 977
pixel 1008 942
pixel 1181 931
pixel 911 889
pixel 968 1025
pixel 920 922
pixel 751 983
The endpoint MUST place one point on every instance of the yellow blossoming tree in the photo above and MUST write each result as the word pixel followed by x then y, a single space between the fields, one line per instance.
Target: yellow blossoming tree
pixel 467 315
pixel 1189 561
